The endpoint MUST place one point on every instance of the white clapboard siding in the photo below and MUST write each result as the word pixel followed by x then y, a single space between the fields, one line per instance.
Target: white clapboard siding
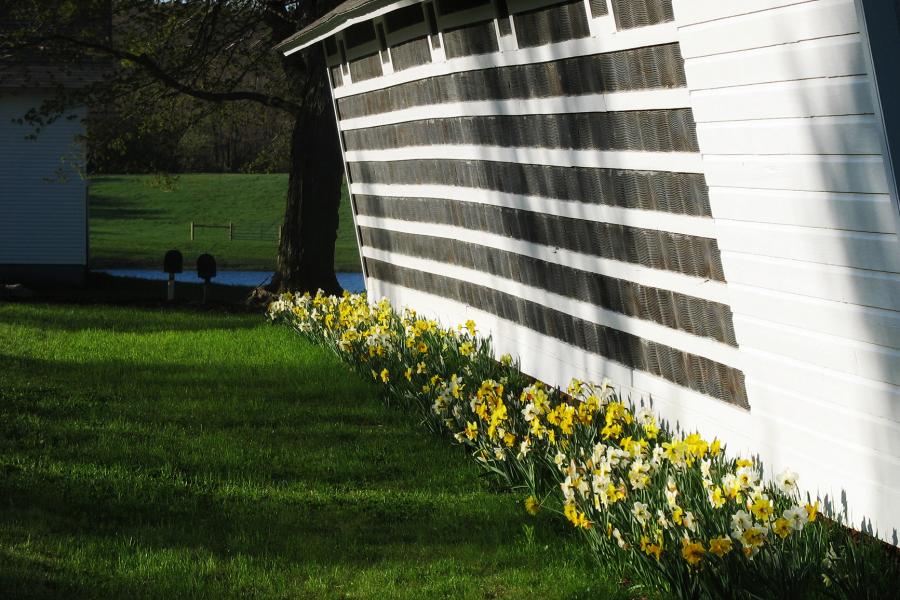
pixel 873 251
pixel 828 57
pixel 853 134
pixel 848 95
pixel 860 287
pixel 793 23
pixel 841 319
pixel 43 211
pixel 837 211
pixel 862 174
pixel 792 152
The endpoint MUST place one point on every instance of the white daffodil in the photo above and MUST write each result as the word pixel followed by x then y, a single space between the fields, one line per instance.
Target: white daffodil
pixel 641 513
pixel 796 516
pixel 787 482
pixel 740 522
pixel 559 460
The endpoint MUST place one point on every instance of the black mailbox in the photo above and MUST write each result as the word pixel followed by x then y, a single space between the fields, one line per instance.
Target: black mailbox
pixel 206 267
pixel 173 262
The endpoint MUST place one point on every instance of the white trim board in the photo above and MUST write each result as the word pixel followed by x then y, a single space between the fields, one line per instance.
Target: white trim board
pixel 679 162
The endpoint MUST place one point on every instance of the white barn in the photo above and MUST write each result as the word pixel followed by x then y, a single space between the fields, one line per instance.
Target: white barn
pixel 43 191
pixel 695 198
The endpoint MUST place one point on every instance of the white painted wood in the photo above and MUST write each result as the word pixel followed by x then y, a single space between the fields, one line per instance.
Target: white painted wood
pixel 617 101
pixel 847 95
pixel 682 162
pixel 837 173
pixel 828 57
pixel 840 319
pixel 874 251
pixel 664 33
pixel 689 12
pixel 783 25
pixel 680 340
pixel 868 361
pixel 43 196
pixel 840 211
pixel 840 284
pixel 662 221
pixel 692 286
pixel 854 134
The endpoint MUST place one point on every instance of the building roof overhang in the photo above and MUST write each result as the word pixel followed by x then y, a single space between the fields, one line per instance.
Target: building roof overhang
pixel 345 15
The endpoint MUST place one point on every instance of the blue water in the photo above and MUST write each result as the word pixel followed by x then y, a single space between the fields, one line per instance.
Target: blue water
pixel 352 282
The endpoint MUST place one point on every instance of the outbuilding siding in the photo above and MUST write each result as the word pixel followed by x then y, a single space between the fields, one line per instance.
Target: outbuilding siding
pixel 43 207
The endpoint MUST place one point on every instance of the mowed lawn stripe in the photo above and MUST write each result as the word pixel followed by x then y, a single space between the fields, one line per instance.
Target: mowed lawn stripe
pixel 152 453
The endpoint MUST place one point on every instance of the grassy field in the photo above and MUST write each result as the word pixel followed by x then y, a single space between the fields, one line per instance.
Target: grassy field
pixel 170 454
pixel 136 218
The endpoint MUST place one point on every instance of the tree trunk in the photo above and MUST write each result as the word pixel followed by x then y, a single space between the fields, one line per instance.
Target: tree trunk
pixel 306 254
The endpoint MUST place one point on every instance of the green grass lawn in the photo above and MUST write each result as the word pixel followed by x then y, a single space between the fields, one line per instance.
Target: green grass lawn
pixel 134 219
pixel 170 454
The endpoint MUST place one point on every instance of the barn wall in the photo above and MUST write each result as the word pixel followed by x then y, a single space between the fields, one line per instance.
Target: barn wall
pixel 792 152
pixel 688 199
pixel 43 209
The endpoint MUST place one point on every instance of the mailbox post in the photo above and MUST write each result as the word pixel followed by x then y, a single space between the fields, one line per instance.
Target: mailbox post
pixel 172 263
pixel 206 270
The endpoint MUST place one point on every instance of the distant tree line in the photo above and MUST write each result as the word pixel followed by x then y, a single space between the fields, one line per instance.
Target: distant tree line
pixel 177 134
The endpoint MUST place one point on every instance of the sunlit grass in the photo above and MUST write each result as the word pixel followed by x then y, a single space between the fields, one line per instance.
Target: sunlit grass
pixel 152 453
pixel 135 219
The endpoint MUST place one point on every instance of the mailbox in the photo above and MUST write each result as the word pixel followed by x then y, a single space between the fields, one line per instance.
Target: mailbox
pixel 173 262
pixel 206 267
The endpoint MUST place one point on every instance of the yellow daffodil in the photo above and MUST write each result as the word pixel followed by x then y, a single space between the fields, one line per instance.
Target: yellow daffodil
pixel 692 552
pixel 532 505
pixel 720 546
pixel 781 527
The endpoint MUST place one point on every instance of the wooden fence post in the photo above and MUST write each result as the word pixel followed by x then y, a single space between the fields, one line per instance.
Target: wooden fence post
pixel 192 231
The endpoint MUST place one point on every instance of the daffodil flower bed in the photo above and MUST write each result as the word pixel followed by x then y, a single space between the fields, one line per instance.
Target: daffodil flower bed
pixel 674 512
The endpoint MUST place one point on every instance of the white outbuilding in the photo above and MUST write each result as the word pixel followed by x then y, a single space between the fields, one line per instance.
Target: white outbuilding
pixel 43 188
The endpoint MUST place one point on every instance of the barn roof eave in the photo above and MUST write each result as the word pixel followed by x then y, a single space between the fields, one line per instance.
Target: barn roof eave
pixel 346 14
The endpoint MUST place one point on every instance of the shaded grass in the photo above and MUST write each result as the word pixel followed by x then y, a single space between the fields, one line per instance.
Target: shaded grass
pixel 135 219
pixel 155 453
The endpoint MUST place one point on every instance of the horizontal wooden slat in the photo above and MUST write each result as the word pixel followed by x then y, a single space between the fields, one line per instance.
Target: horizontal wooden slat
pixel 840 284
pixel 852 174
pixel 855 134
pixel 841 319
pixel 874 251
pixel 809 20
pixel 848 95
pixel 679 162
pixel 829 57
pixel 840 211
pixel 689 12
